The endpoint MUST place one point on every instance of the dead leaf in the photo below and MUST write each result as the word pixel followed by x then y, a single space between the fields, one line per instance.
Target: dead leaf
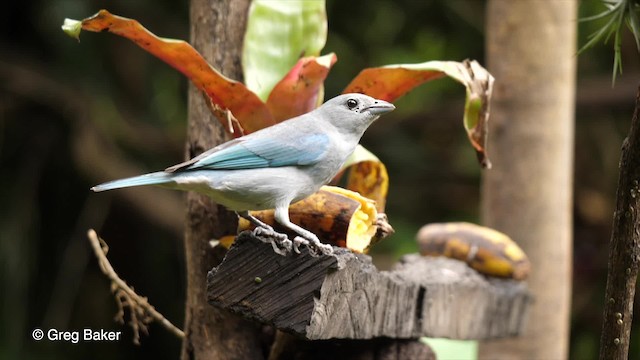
pixel 393 81
pixel 252 114
pixel 301 90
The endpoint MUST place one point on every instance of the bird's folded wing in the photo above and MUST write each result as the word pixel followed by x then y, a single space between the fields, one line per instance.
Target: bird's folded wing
pixel 259 152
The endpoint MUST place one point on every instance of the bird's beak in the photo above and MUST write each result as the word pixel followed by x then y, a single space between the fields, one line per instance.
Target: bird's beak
pixel 380 107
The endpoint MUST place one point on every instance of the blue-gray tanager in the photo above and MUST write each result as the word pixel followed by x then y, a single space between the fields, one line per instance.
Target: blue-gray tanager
pixel 274 167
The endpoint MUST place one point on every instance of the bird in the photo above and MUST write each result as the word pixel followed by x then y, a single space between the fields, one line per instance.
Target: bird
pixel 274 167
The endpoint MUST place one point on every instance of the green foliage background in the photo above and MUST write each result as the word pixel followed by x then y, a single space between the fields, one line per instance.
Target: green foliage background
pixel 52 90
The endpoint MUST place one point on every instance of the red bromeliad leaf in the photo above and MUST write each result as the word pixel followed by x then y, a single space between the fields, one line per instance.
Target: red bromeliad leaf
pixel 245 106
pixel 300 91
pixel 391 82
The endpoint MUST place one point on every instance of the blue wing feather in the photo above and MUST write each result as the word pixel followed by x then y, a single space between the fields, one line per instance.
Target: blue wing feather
pixel 265 152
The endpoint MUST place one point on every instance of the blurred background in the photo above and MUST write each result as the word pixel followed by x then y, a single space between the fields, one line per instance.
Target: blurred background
pixel 74 115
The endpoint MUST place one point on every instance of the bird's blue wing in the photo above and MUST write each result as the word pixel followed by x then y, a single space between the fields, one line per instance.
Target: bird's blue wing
pixel 264 152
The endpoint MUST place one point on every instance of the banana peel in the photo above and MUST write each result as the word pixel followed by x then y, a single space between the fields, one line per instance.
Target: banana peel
pixel 337 216
pixel 486 250
pixel 369 178
pixel 364 173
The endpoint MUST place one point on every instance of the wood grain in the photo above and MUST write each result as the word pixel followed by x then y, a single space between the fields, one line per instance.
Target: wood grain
pixel 344 296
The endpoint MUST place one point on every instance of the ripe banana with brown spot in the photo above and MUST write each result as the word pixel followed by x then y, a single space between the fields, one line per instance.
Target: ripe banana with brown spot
pixel 337 216
pixel 486 250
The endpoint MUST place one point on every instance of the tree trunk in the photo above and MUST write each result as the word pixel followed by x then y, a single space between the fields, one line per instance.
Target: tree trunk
pixel 624 254
pixel 528 194
pixel 217 30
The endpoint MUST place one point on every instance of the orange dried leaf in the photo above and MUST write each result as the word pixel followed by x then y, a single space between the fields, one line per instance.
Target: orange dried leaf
pixel 389 83
pixel 246 107
pixel 300 91
pixel 393 81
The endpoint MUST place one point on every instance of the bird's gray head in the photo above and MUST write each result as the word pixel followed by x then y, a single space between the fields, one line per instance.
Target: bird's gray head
pixel 354 112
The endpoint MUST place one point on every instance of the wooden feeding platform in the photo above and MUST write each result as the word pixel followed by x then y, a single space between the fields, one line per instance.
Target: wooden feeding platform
pixel 344 296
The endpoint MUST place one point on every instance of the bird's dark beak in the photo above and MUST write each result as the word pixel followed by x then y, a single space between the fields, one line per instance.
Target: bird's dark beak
pixel 380 107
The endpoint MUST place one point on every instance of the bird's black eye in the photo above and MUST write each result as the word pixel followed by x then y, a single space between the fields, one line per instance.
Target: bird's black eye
pixel 352 103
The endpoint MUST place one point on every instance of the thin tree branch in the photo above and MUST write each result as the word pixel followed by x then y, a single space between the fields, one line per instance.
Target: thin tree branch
pixel 624 251
pixel 140 311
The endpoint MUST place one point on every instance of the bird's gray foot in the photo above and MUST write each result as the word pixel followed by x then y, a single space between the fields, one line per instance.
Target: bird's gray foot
pixel 268 231
pixel 280 242
pixel 316 248
pixel 282 247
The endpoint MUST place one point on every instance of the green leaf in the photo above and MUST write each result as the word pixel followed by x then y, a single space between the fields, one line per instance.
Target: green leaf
pixel 72 28
pixel 618 12
pixel 634 24
pixel 393 81
pixel 278 34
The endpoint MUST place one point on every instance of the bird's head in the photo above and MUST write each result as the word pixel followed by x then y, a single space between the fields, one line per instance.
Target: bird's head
pixel 354 112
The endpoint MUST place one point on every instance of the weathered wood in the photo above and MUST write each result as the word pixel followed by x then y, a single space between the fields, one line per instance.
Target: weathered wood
pixel 343 296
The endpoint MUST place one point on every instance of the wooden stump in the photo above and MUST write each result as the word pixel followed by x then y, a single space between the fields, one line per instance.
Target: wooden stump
pixel 343 296
pixel 288 347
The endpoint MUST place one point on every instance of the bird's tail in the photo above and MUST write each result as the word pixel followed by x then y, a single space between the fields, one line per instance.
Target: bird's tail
pixel 155 178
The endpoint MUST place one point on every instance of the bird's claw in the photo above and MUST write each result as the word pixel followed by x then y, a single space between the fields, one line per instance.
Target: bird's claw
pixel 316 248
pixel 325 249
pixel 280 242
pixel 284 249
pixel 269 232
pixel 283 246
pixel 297 241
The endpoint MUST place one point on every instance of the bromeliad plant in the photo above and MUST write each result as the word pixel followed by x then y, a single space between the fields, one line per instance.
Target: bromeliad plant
pixel 280 84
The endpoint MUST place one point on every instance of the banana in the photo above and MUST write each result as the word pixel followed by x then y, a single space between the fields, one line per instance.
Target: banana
pixel 486 250
pixel 337 216
pixel 370 179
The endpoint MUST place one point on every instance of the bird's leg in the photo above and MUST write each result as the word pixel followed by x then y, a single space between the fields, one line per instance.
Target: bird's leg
pixel 254 220
pixel 316 248
pixel 280 242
